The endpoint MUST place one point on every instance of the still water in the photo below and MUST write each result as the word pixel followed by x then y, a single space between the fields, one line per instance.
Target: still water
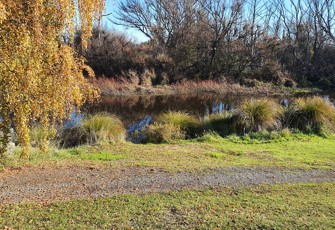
pixel 138 111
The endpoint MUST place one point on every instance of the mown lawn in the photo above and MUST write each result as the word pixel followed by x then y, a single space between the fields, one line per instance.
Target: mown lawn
pixel 299 206
pixel 299 151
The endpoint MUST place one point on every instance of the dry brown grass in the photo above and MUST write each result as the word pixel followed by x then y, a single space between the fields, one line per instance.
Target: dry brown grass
pixel 110 86
pixel 136 86
pixel 211 86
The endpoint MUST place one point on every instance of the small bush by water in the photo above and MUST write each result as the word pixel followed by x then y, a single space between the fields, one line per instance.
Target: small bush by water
pixel 97 128
pixel 220 123
pixel 187 123
pixel 255 120
pixel 313 115
pixel 105 128
pixel 258 115
pixel 163 133
pixel 73 137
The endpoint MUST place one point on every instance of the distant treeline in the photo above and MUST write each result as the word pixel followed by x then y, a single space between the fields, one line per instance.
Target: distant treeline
pixel 284 42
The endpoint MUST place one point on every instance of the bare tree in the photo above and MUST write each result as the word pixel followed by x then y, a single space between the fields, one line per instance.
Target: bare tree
pixel 325 13
pixel 263 40
pixel 163 21
pixel 221 17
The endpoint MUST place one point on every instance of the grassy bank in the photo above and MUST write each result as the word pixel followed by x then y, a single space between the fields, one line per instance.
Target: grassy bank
pixel 113 87
pixel 209 151
pixel 300 206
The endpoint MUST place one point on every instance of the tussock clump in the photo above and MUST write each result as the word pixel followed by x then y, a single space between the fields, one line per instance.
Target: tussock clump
pixel 104 128
pixel 163 133
pixel 94 129
pixel 313 114
pixel 220 123
pixel 187 123
pixel 257 115
pixel 74 136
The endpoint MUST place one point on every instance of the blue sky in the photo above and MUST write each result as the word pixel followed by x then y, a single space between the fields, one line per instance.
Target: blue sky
pixel 111 6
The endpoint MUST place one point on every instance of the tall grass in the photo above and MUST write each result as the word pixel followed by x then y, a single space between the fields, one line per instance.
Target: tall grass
pixel 313 114
pixel 105 128
pixel 36 136
pixel 219 123
pixel 145 83
pixel 94 129
pixel 187 123
pixel 257 115
pixel 172 126
pixel 163 133
pixel 263 116
pixel 110 86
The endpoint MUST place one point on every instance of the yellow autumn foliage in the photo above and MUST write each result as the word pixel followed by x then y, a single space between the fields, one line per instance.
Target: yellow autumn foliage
pixel 41 77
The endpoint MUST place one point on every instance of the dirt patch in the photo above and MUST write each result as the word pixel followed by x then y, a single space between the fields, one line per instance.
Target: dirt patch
pixel 56 184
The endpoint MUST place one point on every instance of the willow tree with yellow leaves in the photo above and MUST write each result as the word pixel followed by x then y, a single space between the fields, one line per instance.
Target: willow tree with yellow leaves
pixel 41 77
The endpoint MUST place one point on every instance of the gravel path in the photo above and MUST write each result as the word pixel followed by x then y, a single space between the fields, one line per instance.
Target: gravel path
pixel 51 184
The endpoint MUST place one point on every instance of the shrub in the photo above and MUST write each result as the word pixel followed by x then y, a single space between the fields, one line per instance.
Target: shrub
pixel 257 115
pixel 187 123
pixel 313 114
pixel 159 133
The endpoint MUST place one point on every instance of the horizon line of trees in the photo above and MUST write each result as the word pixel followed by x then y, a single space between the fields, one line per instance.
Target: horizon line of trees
pixel 283 42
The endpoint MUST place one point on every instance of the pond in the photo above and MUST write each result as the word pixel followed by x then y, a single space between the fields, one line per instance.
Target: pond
pixel 138 111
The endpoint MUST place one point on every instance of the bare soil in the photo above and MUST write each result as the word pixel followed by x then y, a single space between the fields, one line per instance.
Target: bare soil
pixel 58 184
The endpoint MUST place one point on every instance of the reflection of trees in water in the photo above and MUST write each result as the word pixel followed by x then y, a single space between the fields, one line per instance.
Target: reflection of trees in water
pixel 132 109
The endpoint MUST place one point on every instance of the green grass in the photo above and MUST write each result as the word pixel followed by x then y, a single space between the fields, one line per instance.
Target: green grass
pixel 299 206
pixel 102 156
pixel 220 123
pixel 209 151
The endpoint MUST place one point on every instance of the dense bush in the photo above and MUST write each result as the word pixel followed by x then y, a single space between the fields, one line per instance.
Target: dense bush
pixel 188 44
pixel 73 136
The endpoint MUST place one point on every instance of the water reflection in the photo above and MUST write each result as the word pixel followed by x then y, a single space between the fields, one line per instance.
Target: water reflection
pixel 139 126
pixel 136 112
pixel 284 102
pixel 135 108
pixel 74 120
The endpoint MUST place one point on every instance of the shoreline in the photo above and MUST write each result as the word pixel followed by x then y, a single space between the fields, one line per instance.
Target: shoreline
pixel 110 87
